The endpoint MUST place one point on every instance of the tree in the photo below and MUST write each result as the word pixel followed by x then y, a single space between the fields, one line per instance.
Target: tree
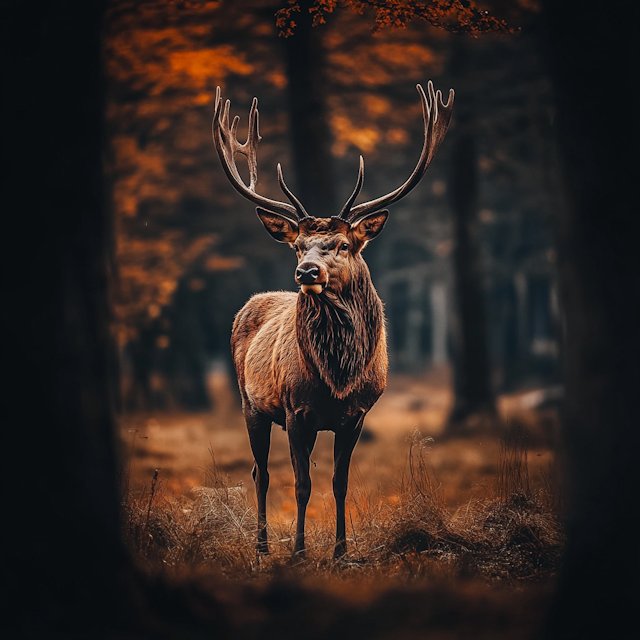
pixel 310 133
pixel 472 372
pixel 597 99
pixel 66 567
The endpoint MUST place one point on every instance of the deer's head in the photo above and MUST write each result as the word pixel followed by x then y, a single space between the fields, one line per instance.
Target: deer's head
pixel 328 249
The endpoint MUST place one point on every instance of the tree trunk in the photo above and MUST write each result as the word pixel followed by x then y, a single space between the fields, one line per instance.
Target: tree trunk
pixel 472 378
pixel 68 572
pixel 438 299
pixel 142 352
pixel 185 360
pixel 598 101
pixel 310 132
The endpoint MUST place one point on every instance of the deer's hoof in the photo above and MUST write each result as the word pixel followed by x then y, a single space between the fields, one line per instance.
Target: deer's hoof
pixel 339 551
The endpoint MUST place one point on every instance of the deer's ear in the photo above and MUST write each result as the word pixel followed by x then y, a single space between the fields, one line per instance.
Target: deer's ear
pixel 370 226
pixel 280 228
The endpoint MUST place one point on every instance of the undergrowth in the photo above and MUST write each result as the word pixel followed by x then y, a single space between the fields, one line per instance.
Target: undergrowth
pixel 509 535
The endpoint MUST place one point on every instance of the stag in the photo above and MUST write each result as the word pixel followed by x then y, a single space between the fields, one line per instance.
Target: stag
pixel 317 359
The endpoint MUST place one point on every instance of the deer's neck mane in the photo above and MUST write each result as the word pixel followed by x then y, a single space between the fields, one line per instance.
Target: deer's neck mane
pixel 338 334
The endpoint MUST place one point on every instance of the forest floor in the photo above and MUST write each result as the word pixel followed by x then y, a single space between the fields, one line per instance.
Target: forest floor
pixel 468 523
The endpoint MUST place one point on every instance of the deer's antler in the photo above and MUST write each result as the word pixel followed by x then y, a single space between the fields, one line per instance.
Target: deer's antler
pixel 227 145
pixel 436 116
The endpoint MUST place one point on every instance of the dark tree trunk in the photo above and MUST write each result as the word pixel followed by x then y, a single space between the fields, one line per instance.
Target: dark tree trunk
pixel 185 361
pixel 62 556
pixel 590 54
pixel 311 135
pixel 472 379
pixel 142 353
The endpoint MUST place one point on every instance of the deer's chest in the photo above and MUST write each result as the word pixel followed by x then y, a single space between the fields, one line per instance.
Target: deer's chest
pixel 325 411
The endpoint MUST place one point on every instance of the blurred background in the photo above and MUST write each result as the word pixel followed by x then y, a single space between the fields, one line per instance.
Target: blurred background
pixel 465 267
pixel 190 251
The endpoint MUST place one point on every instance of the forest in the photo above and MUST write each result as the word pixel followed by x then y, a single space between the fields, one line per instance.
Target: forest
pixel 189 254
pixel 490 493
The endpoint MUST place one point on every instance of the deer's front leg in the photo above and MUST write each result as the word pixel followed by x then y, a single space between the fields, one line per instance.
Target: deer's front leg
pixel 259 428
pixel 345 442
pixel 302 438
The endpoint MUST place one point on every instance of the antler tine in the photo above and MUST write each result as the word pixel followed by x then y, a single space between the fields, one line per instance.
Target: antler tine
pixel 225 118
pixel 437 116
pixel 250 148
pixel 218 98
pixel 296 203
pixel 443 116
pixel 355 194
pixel 227 145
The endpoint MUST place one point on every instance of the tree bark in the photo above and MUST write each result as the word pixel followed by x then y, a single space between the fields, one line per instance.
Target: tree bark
pixel 598 101
pixel 310 132
pixel 472 377
pixel 142 352
pixel 67 571
pixel 185 360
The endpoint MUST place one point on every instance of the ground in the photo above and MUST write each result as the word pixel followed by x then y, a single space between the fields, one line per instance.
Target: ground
pixel 181 446
pixel 463 542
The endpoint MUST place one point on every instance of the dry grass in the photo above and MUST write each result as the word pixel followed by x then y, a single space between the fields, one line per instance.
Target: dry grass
pixel 510 534
pixel 457 536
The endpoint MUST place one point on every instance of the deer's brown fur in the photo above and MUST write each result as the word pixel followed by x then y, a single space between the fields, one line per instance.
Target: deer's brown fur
pixel 312 362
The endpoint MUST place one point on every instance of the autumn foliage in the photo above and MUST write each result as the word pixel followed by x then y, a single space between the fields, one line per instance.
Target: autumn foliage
pixel 456 16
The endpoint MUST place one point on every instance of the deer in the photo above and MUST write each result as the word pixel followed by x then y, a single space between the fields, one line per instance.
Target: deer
pixel 314 360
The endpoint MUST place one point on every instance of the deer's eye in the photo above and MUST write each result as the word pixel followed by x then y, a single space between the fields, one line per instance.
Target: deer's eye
pixel 344 246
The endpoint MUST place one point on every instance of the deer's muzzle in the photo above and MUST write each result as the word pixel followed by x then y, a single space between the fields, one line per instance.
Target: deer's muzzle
pixel 310 277
pixel 307 276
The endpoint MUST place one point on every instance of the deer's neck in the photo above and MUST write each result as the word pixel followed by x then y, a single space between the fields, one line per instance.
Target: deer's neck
pixel 338 334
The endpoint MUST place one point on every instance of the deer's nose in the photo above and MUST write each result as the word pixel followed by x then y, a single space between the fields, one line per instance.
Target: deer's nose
pixel 307 276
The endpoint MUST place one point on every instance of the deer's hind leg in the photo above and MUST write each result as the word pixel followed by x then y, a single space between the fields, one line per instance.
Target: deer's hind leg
pixel 259 429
